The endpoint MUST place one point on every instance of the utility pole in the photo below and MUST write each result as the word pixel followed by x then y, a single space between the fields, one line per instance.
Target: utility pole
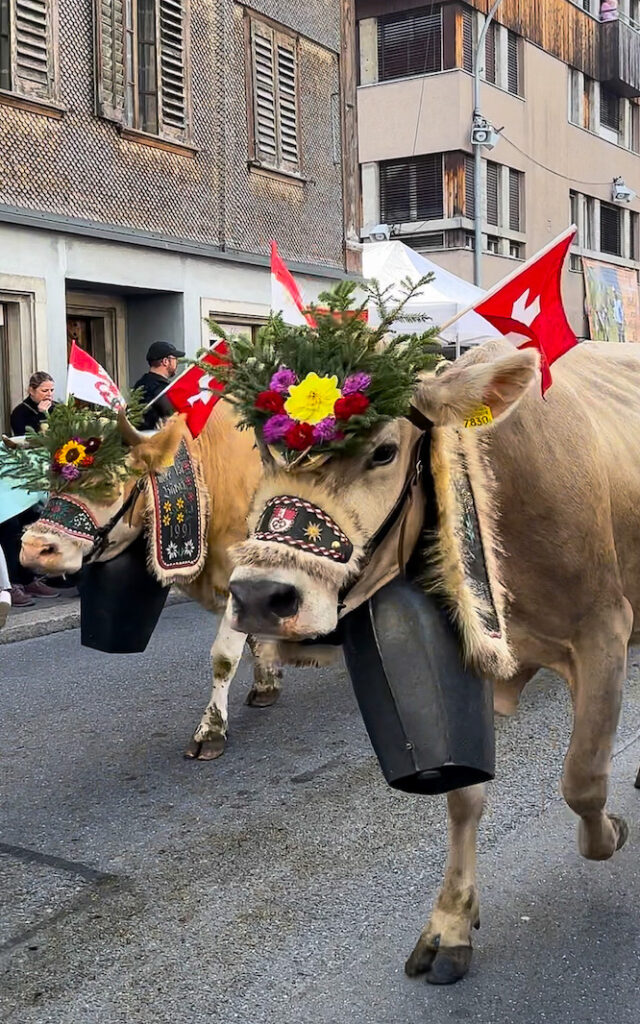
pixel 478 122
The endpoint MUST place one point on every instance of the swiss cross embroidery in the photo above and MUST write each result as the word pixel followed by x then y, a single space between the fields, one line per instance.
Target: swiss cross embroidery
pixel 177 513
pixel 298 523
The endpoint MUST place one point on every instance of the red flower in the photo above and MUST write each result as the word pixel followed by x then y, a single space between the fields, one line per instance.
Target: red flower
pixel 299 436
pixel 87 461
pixel 352 405
pixel 270 401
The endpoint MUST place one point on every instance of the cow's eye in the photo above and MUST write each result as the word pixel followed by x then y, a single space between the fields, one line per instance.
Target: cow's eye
pixel 383 455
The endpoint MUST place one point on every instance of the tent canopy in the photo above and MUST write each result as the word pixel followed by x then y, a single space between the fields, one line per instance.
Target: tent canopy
pixel 392 262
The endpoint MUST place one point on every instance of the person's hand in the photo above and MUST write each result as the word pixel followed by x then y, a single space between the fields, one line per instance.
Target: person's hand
pixel 45 405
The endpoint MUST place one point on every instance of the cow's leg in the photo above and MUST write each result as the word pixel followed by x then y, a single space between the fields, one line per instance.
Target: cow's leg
pixel 209 739
pixel 598 672
pixel 267 677
pixel 443 951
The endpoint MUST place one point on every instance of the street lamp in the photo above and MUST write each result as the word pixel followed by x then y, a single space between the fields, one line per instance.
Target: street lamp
pixel 481 135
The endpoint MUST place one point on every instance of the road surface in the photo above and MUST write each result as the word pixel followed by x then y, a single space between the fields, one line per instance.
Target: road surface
pixel 285 883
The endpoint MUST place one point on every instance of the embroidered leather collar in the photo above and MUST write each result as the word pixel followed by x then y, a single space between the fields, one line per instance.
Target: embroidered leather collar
pixel 71 517
pixel 289 520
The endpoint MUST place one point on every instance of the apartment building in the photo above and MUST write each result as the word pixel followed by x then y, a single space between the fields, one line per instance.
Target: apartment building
pixel 149 151
pixel 562 87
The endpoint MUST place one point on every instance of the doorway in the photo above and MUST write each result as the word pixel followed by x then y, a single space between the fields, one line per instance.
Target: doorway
pixel 97 324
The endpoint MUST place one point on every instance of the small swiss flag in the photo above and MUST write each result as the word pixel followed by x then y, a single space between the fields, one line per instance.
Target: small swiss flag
pixel 195 393
pixel 529 303
pixel 89 382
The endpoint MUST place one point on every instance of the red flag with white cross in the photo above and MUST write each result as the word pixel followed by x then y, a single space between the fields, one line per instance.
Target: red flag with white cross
pixel 195 393
pixel 529 303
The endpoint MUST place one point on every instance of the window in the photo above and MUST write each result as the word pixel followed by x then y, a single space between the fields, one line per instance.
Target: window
pixel 493 244
pixel 142 56
pixel 515 250
pixel 426 243
pixel 610 235
pixel 634 219
pixel 274 79
pixel 513 63
pixel 634 14
pixel 492 193
pixel 469 179
pixel 412 190
pixel 609 110
pixel 467 40
pixel 515 199
pixel 587 103
pixel 410 43
pixel 575 96
pixel 634 127
pixel 27 58
pixel 490 53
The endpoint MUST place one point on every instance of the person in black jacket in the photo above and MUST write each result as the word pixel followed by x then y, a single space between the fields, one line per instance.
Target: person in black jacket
pixel 32 410
pixel 162 358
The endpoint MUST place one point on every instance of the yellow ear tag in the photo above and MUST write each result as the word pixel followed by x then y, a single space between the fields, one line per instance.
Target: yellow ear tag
pixel 480 417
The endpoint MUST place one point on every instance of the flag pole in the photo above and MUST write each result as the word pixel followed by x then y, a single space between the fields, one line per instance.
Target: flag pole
pixel 514 273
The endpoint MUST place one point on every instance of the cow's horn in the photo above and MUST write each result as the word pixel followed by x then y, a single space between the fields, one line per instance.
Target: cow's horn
pixel 128 432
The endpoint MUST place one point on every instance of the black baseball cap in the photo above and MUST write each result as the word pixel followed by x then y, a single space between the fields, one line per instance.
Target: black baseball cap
pixel 160 350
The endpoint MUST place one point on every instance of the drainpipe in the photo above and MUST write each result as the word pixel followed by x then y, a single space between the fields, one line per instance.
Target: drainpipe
pixel 478 66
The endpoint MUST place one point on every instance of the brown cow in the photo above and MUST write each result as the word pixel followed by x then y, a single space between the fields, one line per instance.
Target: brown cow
pixel 231 469
pixel 563 478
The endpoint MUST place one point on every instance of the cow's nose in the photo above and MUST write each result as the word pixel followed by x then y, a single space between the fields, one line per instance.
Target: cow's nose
pixel 34 550
pixel 260 605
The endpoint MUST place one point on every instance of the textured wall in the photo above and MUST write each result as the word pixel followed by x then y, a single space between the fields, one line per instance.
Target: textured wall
pixel 81 167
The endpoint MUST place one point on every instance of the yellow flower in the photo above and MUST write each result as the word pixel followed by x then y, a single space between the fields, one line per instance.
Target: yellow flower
pixel 180 517
pixel 313 399
pixel 180 502
pixel 166 520
pixel 167 506
pixel 71 453
pixel 313 531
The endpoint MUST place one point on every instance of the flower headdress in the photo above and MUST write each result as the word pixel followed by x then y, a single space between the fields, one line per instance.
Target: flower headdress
pixel 78 451
pixel 324 388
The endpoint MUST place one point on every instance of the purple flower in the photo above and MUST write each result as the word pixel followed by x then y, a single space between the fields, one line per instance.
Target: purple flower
pixel 276 427
pixel 70 472
pixel 356 382
pixel 325 430
pixel 282 380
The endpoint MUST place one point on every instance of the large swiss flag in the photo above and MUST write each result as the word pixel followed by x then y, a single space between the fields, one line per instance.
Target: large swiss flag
pixel 529 303
pixel 195 393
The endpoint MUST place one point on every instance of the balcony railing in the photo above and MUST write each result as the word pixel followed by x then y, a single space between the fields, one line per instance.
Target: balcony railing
pixel 620 55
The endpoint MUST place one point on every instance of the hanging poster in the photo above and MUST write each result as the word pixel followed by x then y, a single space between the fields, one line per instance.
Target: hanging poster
pixel 613 301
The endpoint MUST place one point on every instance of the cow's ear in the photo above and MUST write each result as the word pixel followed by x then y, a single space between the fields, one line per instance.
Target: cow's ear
pixel 452 396
pixel 158 452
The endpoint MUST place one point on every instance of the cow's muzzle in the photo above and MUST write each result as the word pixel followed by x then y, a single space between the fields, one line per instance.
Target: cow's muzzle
pixel 262 606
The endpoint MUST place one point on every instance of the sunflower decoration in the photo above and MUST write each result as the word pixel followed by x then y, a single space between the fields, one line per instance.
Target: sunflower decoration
pixel 79 451
pixel 312 390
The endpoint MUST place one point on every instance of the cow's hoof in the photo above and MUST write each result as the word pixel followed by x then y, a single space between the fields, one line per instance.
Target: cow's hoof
pixel 621 828
pixel 262 698
pixel 206 750
pixel 443 965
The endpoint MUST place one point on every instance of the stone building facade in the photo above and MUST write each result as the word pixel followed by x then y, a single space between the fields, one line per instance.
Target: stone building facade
pixel 150 150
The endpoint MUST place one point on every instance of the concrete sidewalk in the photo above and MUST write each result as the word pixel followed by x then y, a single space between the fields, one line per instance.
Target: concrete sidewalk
pixel 53 615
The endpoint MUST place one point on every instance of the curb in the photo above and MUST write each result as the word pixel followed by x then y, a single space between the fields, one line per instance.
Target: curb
pixel 46 623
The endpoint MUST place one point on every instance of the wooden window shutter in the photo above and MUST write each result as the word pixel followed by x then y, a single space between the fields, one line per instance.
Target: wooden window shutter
pixel 288 102
pixel 172 36
pixel 492 193
pixel 515 199
pixel 33 61
pixel 274 69
pixel 110 70
pixel 469 183
pixel 264 93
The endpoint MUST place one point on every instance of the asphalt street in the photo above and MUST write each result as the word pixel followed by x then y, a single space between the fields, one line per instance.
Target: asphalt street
pixel 285 883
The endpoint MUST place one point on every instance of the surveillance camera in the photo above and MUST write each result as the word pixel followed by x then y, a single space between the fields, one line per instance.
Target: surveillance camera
pixel 380 233
pixel 621 193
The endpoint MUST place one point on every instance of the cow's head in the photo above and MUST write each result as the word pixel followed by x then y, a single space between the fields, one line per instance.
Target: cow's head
pixel 58 543
pixel 311 525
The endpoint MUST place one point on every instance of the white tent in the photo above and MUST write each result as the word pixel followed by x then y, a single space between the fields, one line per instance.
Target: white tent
pixel 392 262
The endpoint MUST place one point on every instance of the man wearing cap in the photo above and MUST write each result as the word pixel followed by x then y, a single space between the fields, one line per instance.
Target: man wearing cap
pixel 162 358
